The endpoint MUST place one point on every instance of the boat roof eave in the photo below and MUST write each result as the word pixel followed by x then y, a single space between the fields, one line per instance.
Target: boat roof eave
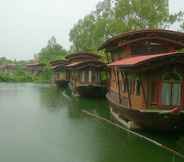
pixel 171 35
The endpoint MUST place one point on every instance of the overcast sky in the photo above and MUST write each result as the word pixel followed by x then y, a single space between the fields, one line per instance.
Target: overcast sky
pixel 26 25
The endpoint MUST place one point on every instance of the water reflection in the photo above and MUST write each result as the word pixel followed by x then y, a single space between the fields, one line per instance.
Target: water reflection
pixel 58 98
pixel 52 98
pixel 42 123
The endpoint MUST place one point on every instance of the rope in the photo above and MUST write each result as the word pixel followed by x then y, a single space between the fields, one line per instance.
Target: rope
pixel 135 133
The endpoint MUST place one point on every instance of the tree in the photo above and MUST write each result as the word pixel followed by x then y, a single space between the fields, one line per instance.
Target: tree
pixel 143 14
pixel 112 17
pixel 90 31
pixel 51 52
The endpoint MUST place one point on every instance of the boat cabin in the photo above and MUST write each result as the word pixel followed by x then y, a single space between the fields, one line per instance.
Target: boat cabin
pixel 147 75
pixel 88 74
pixel 61 75
pixel 8 68
pixel 35 68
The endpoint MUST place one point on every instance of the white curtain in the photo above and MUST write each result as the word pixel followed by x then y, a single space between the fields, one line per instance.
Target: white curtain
pixel 166 94
pixel 90 76
pixel 176 94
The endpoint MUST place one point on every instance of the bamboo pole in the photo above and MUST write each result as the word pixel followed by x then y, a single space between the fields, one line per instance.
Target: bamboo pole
pixel 174 152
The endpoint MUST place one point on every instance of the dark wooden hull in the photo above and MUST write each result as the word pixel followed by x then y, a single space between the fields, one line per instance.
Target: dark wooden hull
pixel 156 120
pixel 61 83
pixel 91 91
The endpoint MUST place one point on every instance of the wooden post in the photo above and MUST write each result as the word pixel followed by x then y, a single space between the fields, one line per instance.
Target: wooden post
pixel 119 93
pixel 114 73
pixel 143 92
pixel 128 89
pixel 109 79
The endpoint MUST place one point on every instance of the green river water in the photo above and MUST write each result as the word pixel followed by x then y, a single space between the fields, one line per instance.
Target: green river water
pixel 40 123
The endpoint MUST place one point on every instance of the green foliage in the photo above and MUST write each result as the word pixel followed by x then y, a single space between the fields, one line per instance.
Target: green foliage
pixel 138 14
pixel 91 31
pixel 18 75
pixel 45 76
pixel 51 52
pixel 4 60
pixel 112 17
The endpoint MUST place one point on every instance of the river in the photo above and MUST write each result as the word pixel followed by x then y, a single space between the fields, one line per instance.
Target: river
pixel 40 123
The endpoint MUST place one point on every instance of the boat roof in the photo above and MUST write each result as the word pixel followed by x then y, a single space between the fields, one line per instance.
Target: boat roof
pixel 173 37
pixel 74 64
pixel 58 62
pixel 134 61
pixel 58 67
pixel 35 65
pixel 82 54
pixel 84 64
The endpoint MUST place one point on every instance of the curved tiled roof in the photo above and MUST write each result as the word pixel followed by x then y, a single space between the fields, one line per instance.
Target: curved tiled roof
pixel 177 38
pixel 80 54
pixel 58 62
pixel 92 63
pixel 143 59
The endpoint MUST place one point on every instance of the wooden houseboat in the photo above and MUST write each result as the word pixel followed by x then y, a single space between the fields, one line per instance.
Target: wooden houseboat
pixel 8 68
pixel 87 74
pixel 61 76
pixel 146 88
pixel 35 68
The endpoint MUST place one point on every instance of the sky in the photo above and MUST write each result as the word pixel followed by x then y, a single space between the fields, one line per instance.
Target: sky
pixel 27 25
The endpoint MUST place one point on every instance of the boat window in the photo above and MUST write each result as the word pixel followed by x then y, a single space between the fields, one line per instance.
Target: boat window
pixel 83 76
pixel 176 94
pixel 166 94
pixel 86 76
pixel 147 47
pixel 90 76
pixel 98 76
pixel 153 92
pixel 125 86
pixel 94 76
pixel 172 77
pixel 171 89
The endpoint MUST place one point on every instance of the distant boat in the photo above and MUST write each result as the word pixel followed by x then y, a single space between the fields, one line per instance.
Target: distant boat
pixel 35 68
pixel 146 89
pixel 88 75
pixel 61 77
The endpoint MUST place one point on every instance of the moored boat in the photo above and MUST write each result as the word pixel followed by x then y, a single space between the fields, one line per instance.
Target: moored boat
pixel 147 79
pixel 35 68
pixel 88 75
pixel 61 75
